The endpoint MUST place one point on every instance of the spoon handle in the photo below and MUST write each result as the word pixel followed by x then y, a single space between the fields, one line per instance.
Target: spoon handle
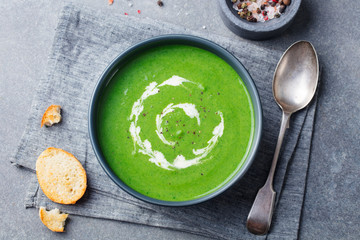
pixel 260 215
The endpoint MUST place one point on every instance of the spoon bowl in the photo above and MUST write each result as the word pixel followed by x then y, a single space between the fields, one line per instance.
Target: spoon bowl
pixel 296 77
pixel 294 85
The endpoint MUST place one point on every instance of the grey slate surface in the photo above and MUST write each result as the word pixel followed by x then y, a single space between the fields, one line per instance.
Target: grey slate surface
pixel 331 202
pixel 85 42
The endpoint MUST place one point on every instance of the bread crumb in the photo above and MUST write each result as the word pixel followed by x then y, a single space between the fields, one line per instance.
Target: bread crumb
pixel 51 116
pixel 53 219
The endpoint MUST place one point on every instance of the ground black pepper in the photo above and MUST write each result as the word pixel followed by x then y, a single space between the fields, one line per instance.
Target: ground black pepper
pixel 160 3
pixel 282 8
pixel 260 10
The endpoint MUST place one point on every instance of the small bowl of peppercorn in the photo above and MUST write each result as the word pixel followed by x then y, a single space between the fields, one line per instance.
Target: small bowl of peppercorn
pixel 258 19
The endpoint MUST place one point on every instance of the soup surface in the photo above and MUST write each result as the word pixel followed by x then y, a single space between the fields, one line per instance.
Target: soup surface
pixel 175 123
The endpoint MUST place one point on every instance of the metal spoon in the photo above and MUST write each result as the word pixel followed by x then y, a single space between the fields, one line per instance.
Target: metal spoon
pixel 295 81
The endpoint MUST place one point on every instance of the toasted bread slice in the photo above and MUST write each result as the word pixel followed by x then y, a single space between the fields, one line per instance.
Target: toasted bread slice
pixel 51 116
pixel 53 219
pixel 61 176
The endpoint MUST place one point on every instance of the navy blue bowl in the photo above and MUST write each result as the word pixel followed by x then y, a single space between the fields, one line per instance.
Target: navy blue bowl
pixel 257 30
pixel 120 60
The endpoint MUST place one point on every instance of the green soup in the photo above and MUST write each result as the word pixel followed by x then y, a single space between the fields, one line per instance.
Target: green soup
pixel 175 123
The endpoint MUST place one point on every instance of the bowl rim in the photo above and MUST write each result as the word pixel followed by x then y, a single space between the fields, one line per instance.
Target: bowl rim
pixel 183 39
pixel 261 27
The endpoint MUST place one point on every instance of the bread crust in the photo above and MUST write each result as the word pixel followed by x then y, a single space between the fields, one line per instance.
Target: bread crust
pixel 61 176
pixel 53 220
pixel 51 116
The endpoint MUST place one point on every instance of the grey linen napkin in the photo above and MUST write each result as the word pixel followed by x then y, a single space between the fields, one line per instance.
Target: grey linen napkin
pixel 85 42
